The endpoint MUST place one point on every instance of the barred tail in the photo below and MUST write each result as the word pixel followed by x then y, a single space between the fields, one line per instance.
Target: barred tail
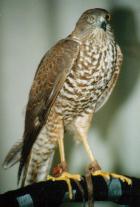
pixel 39 162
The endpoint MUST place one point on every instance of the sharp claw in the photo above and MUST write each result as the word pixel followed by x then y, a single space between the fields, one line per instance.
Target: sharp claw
pixel 122 178
pixel 107 176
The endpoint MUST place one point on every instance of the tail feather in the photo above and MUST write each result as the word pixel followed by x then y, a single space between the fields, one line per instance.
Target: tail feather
pixel 13 155
pixel 38 165
pixel 28 141
pixel 39 160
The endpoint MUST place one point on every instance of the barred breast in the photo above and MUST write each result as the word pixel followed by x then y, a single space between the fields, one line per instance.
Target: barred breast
pixel 87 80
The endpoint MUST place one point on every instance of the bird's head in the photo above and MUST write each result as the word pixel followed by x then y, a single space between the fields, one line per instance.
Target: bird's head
pixel 92 22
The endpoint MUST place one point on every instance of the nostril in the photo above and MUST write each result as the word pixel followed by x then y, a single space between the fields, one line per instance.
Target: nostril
pixel 103 25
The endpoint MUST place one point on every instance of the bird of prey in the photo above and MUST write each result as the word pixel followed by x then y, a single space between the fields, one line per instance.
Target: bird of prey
pixel 73 81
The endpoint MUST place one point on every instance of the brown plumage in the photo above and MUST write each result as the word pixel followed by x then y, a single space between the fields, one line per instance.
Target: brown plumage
pixel 73 81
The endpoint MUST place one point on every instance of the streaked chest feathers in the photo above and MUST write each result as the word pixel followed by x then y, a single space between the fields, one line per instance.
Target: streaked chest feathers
pixel 87 80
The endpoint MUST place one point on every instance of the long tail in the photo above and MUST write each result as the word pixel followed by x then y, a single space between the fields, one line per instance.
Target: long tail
pixel 39 162
pixel 40 159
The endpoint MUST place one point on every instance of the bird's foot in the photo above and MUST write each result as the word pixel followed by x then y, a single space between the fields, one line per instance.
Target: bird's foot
pixel 107 176
pixel 65 176
pixel 95 170
pixel 60 174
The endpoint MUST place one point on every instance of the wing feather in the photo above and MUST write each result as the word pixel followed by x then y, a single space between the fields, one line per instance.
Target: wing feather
pixel 48 81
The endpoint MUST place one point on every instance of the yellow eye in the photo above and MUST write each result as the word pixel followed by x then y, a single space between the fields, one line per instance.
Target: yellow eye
pixel 108 17
pixel 90 19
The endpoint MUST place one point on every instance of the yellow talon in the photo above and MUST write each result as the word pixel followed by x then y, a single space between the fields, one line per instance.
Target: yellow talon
pixel 107 176
pixel 66 177
pixel 101 173
pixel 122 178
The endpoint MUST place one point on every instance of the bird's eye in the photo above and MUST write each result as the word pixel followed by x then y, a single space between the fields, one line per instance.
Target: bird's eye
pixel 90 19
pixel 108 17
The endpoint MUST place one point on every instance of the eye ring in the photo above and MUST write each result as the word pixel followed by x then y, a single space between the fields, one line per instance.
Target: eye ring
pixel 108 17
pixel 90 19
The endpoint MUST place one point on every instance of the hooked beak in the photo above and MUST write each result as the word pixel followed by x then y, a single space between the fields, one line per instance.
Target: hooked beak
pixel 102 23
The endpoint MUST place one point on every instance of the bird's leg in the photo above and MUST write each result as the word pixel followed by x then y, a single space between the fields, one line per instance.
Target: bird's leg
pixel 94 166
pixel 95 169
pixel 60 171
pixel 82 124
